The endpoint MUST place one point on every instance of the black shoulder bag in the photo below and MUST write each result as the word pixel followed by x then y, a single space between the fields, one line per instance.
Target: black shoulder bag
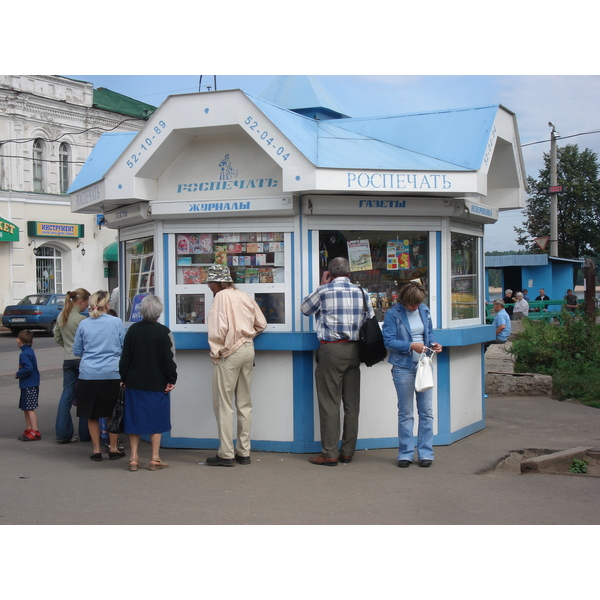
pixel 116 420
pixel 372 348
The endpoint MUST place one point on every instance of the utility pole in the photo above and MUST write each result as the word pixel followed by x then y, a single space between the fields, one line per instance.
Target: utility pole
pixel 589 272
pixel 553 194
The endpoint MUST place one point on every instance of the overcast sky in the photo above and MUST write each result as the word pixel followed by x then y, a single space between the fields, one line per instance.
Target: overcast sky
pixel 568 101
pixel 539 63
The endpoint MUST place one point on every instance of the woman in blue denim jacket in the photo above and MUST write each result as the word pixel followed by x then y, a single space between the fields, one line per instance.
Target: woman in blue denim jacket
pixel 407 330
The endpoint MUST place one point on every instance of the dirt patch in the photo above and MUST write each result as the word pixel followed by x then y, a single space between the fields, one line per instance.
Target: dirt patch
pixel 511 462
pixel 550 462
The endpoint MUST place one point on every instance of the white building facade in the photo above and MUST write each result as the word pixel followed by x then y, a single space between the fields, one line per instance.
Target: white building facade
pixel 48 127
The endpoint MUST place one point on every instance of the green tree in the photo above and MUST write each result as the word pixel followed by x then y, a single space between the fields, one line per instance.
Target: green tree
pixel 578 214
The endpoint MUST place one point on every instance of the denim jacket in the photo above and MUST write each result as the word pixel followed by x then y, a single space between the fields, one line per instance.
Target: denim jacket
pixel 398 337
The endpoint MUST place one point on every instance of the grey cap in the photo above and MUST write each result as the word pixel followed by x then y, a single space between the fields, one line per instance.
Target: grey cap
pixel 218 273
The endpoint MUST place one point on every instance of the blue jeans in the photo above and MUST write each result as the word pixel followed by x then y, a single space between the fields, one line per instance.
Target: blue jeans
pixel 404 381
pixel 64 422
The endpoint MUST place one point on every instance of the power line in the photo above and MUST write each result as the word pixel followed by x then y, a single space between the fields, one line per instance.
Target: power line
pixel 81 132
pixel 561 137
pixel 46 160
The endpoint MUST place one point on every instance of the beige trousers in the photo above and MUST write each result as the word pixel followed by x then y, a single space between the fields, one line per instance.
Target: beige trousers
pixel 232 378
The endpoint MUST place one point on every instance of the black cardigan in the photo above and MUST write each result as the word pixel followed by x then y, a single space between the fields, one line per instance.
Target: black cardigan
pixel 147 361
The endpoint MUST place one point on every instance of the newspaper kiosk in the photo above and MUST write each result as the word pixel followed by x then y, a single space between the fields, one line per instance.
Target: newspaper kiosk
pixel 224 177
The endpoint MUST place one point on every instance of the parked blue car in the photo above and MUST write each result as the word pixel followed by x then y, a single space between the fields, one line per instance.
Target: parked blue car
pixel 36 311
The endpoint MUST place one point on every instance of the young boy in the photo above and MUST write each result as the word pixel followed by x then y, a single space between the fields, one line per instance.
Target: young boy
pixel 29 383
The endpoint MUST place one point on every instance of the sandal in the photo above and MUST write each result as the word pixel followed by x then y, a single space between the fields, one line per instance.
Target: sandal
pixel 156 465
pixel 115 455
pixel 133 465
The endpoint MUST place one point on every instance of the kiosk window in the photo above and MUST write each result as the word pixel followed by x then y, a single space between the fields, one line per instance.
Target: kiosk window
pixel 380 261
pixel 465 303
pixel 251 257
pixel 190 308
pixel 256 262
pixel 139 257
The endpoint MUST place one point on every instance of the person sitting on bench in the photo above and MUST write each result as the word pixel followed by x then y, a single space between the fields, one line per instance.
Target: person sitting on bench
pixel 501 323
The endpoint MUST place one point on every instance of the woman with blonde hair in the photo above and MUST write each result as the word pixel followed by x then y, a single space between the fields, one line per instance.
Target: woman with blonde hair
pixel 99 341
pixel 64 335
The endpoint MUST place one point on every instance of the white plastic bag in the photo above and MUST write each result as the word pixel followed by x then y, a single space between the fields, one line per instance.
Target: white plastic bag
pixel 424 376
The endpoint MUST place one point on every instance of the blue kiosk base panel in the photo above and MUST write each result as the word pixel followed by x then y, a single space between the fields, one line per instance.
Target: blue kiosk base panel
pixel 441 439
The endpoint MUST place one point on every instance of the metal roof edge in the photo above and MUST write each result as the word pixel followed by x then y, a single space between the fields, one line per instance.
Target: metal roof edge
pixel 525 260
pixel 106 151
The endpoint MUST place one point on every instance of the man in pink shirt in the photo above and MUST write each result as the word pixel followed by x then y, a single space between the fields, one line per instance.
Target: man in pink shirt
pixel 234 321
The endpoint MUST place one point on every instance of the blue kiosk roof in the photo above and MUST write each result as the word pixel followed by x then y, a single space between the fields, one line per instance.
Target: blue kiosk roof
pixel 447 140
pixel 108 148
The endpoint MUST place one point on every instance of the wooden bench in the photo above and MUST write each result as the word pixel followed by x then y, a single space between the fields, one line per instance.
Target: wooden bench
pixel 490 313
pixel 538 310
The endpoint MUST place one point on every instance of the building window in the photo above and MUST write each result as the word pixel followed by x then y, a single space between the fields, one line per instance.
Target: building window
pixel 38 170
pixel 48 270
pixel 380 261
pixel 64 156
pixel 464 278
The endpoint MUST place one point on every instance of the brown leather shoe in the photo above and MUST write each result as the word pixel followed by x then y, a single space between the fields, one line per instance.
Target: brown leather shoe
pixel 323 460
pixel 345 459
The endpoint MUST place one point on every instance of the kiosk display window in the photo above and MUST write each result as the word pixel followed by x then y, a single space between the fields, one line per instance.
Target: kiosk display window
pixel 465 286
pixel 190 308
pixel 251 257
pixel 139 261
pixel 256 262
pixel 380 261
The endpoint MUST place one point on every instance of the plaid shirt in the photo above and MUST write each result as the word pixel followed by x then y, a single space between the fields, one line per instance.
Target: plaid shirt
pixel 338 310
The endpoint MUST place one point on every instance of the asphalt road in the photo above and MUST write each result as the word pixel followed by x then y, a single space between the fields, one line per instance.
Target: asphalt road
pixel 285 488
pixel 41 339
pixel 43 483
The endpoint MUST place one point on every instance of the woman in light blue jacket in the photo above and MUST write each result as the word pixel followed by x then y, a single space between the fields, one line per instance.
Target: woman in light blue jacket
pixel 99 342
pixel 407 330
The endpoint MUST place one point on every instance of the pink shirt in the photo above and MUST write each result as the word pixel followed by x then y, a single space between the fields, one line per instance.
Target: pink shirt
pixel 233 320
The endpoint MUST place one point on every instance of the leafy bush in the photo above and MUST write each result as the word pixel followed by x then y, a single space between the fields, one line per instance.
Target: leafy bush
pixel 579 466
pixel 534 348
pixel 570 353
pixel 577 380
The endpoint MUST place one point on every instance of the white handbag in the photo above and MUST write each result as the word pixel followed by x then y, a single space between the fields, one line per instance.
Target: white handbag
pixel 424 376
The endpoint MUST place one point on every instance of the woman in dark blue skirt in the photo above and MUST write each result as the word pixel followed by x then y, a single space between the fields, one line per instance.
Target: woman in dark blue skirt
pixel 148 373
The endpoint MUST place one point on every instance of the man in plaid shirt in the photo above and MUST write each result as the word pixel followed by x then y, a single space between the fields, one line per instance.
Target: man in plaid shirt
pixel 337 306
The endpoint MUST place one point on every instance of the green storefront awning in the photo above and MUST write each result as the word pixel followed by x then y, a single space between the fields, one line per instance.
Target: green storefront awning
pixel 9 232
pixel 111 252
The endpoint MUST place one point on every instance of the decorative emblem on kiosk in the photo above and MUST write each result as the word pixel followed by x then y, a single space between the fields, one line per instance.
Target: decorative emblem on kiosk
pixel 228 180
pixel 227 171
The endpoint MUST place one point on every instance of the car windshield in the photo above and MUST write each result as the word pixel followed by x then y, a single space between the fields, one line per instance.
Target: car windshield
pixel 35 299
